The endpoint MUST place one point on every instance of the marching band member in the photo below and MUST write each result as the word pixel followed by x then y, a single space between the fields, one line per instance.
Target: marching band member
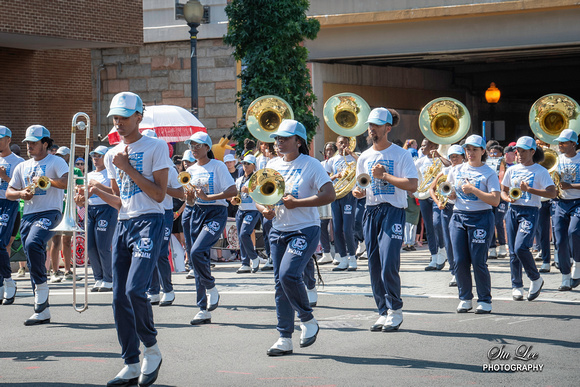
pixel 330 149
pixel 295 232
pixel 567 212
pixel 8 215
pixel 213 184
pixel 343 209
pixel 456 155
pixel 267 153
pixel 496 162
pixel 434 232
pixel 188 160
pixel 138 168
pixel 476 191
pixel 42 213
pixel 392 173
pixel 522 216
pixel 246 218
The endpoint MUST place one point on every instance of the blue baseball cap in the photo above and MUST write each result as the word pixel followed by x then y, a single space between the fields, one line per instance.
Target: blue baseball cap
pixel 567 135
pixel 455 150
pixel 289 128
pixel 100 150
pixel 36 133
pixel 250 159
pixel 380 116
pixel 526 142
pixel 188 156
pixel 125 104
pixel 5 132
pixel 474 140
pixel 200 138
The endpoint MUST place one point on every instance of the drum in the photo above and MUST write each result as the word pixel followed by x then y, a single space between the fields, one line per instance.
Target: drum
pixel 325 212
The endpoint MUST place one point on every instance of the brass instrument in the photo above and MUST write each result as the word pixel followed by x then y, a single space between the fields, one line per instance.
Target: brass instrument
pixel 265 114
pixel 551 114
pixel 427 178
pixel 346 114
pixel 363 181
pixel 237 200
pixel 266 187
pixel 556 178
pixel 444 120
pixel 345 184
pixel 42 183
pixel 515 193
pixel 550 162
pixel 443 189
pixel 69 224
pixel 184 178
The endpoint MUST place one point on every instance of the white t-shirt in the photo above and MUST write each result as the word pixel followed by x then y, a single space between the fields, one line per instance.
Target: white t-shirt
pixel 483 178
pixel 423 163
pixel 337 163
pixel 535 175
pixel 247 203
pixel 261 162
pixel 569 170
pixel 9 163
pixel 397 162
pixel 51 166
pixel 146 155
pixel 103 178
pixel 303 177
pixel 172 182
pixel 213 178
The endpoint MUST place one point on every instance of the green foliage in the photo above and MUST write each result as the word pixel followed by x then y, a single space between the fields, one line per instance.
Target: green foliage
pixel 267 37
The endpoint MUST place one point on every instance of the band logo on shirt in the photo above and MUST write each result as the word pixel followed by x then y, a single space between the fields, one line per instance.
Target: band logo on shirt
pixel 479 236
pixel 43 223
pixel 569 173
pixel 474 179
pixel 30 172
pixel 397 231
pixel 379 186
pixel 143 247
pixel 102 225
pixel 297 246
pixel 205 181
pixel 292 178
pixel 522 176
pixel 212 227
pixel 127 187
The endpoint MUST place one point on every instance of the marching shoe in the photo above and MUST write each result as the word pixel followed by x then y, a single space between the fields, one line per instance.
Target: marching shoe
pixel 281 347
pixel 535 289
pixel 255 264
pixel 167 299
pixel 190 275
pixel 378 326
pixel 566 283
pixel 545 268
pixel 21 272
pixel 352 263
pixel 106 287
pixel 268 266
pixel 492 253
pixel 336 259
pixel 1 294
pixel 54 278
pixel 202 317
pixel 342 264
pixel 433 264
pixel 9 291
pixel 464 306
pixel 39 318
pixel 394 320
pixel 538 256
pixel 213 299
pixel 574 282
pixel 154 298
pixel 96 286
pixel 151 364
pixel 453 281
pixel 326 258
pixel 518 294
pixel 244 269
pixel 575 276
pixel 483 308
pixel 41 298
pixel 441 258
pixel 128 376
pixel 312 296
pixel 502 251
pixel 361 249
pixel 310 330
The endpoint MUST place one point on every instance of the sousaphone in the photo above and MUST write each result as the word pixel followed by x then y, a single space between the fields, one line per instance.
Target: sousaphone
pixel 553 113
pixel 265 115
pixel 444 120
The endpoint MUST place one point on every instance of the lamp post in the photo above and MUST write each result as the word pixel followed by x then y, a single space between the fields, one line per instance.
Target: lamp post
pixel 193 13
pixel 492 95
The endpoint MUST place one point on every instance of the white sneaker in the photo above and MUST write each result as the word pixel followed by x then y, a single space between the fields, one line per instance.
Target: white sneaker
pixel 268 266
pixel 502 251
pixel 361 248
pixel 433 264
pixel 453 281
pixel 309 333
pixel 213 298
pixel 326 258
pixel 255 264
pixel 202 317
pixel 39 318
pixel 464 306
pixel 41 297
pixel 518 294
pixel 538 256
pixel 336 259
pixel 535 289
pixel 151 359
pixel 312 296
pixel 545 268
pixel 167 298
pixel 483 308
pixel 378 326
pixel 342 264
pixel 352 263
pixel 154 298
pixel 244 269
pixel 54 278
pixel 190 275
pixel 9 291
pixel 492 252
pixel 566 283
pixel 394 320
pixel 96 286
pixel 106 287
pixel 441 256
pixel 281 347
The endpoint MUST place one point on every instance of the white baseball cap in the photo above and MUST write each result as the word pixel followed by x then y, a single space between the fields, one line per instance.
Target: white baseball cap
pixel 188 156
pixel 250 159
pixel 125 104
pixel 229 157
pixel 63 150
pixel 567 135
pixel 289 128
pixel 36 133
pixel 455 150
pixel 380 116
pixel 474 140
pixel 101 150
pixel 5 132
pixel 526 142
pixel 200 138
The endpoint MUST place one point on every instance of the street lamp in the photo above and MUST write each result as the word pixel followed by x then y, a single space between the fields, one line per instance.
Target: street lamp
pixel 193 13
pixel 492 95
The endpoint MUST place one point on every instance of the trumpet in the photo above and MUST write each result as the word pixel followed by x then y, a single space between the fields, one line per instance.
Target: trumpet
pixel 444 190
pixel 184 178
pixel 363 181
pixel 515 193
pixel 237 200
pixel 42 183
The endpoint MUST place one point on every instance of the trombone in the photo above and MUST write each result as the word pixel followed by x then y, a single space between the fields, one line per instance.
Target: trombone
pixel 69 224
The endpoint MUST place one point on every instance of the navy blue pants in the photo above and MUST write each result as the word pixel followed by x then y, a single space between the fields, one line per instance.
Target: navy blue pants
pixel 101 221
pixel 246 223
pixel 499 215
pixel 358 219
pixel 567 231
pixel 291 253
pixel 446 215
pixel 186 224
pixel 521 223
pixel 163 271
pixel 325 235
pixel 8 214
pixel 207 225
pixel 343 218
pixel 309 278
pixel 543 230
pixel 35 234
pixel 383 231
pixel 471 233
pixel 433 233
pixel 266 227
pixel 136 246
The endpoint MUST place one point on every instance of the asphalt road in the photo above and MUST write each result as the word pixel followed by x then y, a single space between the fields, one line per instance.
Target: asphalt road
pixel 434 347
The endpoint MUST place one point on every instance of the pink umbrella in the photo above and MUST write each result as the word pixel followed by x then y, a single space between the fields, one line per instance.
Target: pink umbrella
pixel 171 123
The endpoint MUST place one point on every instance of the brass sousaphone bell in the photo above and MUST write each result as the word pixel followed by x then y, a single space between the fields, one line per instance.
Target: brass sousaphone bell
pixel 444 120
pixel 265 114
pixel 551 114
pixel 266 186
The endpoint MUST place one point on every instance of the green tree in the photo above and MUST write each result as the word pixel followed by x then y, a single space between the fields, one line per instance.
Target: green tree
pixel 267 37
